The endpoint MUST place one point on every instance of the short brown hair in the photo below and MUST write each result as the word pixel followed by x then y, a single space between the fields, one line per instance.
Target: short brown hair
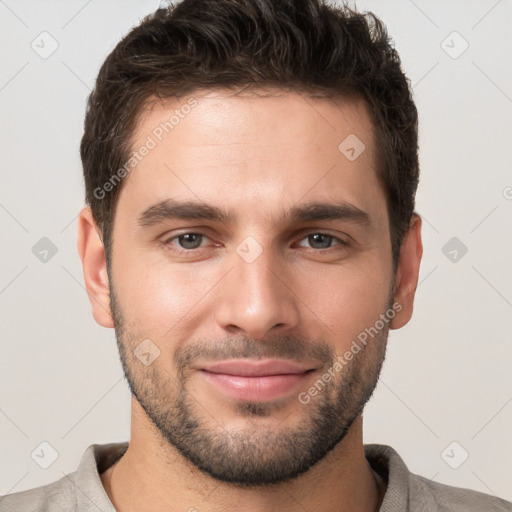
pixel 305 46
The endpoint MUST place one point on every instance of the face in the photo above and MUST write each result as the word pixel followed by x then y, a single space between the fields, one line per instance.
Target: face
pixel 246 236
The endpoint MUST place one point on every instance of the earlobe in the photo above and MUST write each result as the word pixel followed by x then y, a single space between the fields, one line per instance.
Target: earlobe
pixel 406 279
pixel 92 253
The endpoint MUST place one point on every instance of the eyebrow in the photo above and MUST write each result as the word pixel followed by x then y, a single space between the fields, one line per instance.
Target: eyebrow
pixel 191 210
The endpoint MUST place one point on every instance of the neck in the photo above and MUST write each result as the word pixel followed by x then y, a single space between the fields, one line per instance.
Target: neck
pixel 151 475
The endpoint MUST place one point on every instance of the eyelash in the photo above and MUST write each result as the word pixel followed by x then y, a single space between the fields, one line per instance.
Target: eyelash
pixel 180 251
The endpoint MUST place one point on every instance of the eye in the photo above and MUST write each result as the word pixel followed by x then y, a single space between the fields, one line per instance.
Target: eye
pixel 186 242
pixel 322 241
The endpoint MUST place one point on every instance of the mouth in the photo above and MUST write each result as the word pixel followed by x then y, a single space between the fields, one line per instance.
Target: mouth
pixel 256 380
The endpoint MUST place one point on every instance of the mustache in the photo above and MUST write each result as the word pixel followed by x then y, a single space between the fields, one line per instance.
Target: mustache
pixel 281 347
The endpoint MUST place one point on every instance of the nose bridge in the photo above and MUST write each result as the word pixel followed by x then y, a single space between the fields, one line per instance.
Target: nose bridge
pixel 255 299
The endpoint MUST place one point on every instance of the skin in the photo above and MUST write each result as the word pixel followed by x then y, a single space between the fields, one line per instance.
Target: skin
pixel 255 156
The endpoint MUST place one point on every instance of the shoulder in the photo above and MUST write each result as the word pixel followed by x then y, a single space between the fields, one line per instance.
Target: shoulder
pixel 425 494
pixel 55 497
pixel 80 490
pixel 415 493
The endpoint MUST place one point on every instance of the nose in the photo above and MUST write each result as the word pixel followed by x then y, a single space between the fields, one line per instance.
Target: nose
pixel 256 299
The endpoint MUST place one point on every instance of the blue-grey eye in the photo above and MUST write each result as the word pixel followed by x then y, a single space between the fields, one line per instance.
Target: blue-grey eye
pixel 190 240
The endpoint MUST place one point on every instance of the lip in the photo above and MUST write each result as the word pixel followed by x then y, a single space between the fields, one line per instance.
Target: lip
pixel 256 381
pixel 245 368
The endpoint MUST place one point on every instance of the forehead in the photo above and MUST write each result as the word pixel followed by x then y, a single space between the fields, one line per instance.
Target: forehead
pixel 230 117
pixel 253 152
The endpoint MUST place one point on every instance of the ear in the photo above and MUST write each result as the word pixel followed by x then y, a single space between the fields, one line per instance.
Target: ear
pixel 406 279
pixel 92 254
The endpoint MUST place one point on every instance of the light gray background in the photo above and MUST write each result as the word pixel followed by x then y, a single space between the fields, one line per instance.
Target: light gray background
pixel 447 376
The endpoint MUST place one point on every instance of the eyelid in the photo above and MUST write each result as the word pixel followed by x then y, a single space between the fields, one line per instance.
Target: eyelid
pixel 338 239
pixel 344 237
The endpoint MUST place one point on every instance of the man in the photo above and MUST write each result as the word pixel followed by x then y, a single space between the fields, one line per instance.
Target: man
pixel 250 233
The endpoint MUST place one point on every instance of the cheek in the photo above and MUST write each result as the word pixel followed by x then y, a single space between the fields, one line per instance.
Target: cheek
pixel 349 299
pixel 157 297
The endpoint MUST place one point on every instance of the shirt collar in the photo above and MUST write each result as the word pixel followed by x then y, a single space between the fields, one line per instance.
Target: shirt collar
pixel 385 461
pixel 92 497
pixel 89 491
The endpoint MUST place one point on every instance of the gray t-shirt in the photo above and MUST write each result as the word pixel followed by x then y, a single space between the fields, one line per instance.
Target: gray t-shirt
pixel 82 490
